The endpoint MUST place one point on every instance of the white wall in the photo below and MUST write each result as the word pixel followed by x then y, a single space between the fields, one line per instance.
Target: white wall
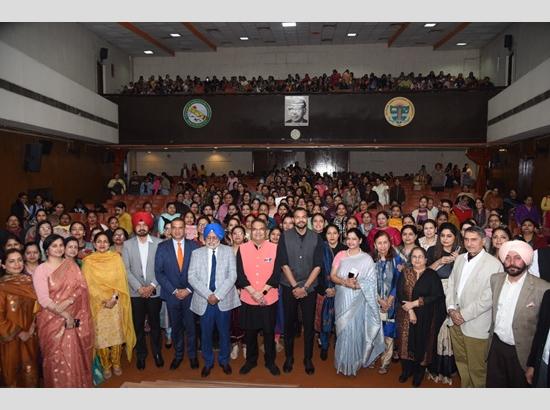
pixel 28 114
pixel 404 162
pixel 171 162
pixel 531 122
pixel 531 46
pixel 315 60
pixel 70 49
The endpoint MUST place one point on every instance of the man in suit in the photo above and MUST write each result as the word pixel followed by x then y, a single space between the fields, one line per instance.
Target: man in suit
pixel 517 297
pixel 469 305
pixel 538 374
pixel 541 264
pixel 212 273
pixel 139 259
pixel 171 267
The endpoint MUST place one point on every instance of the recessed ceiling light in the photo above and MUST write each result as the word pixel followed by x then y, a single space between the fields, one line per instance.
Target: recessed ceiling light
pixel 289 24
pixel 352 34
pixel 148 52
pixel 243 38
pixel 148 152
pixel 461 44
pixel 175 35
pixel 430 24
pixel 165 148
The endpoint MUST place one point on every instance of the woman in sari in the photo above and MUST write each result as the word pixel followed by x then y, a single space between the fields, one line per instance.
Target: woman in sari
pixel 409 236
pixel 441 258
pixel 65 328
pixel 110 304
pixel 359 337
pixel 18 342
pixel 31 256
pixel 324 312
pixel 419 318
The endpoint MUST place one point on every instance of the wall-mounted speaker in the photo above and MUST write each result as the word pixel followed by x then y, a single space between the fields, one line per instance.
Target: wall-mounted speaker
pixel 103 53
pixel 33 157
pixel 46 146
pixel 508 41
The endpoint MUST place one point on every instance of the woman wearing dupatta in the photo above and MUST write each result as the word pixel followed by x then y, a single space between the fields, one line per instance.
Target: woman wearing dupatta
pixel 65 329
pixel 419 317
pixel 18 342
pixel 359 337
pixel 110 304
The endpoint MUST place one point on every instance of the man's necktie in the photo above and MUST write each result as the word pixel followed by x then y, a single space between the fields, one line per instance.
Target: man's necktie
pixel 180 256
pixel 212 285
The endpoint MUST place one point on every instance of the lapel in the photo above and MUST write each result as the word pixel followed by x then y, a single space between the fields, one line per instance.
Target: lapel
pixel 172 253
pixel 150 258
pixel 205 259
pixel 525 295
pixel 461 262
pixel 135 256
pixel 496 295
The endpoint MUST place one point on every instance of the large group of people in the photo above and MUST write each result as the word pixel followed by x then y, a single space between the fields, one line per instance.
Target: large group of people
pixel 334 82
pixel 446 289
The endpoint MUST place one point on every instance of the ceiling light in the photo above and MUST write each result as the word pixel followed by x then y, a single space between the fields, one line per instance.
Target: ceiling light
pixel 165 148
pixel 148 152
pixel 148 52
pixel 352 34
pixel 175 35
pixel 289 24
pixel 430 24
pixel 243 38
pixel 461 44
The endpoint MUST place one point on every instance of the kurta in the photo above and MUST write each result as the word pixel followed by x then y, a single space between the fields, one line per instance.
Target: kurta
pixel 18 359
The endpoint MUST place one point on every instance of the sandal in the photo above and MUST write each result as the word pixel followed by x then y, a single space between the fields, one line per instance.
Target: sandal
pixel 107 374
pixel 117 371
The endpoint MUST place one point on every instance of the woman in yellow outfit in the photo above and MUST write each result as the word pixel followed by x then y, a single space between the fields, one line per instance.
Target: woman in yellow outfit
pixel 110 303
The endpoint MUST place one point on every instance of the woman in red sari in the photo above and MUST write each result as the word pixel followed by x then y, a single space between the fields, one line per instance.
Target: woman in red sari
pixel 18 341
pixel 65 328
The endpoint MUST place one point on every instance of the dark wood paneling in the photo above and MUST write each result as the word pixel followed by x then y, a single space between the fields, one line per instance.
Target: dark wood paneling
pixel 65 175
pixel 441 117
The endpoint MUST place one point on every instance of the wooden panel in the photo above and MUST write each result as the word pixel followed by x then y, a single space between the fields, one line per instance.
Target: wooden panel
pixel 65 175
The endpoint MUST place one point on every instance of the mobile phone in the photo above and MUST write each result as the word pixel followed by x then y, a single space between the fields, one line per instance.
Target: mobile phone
pixel 352 273
pixel 76 323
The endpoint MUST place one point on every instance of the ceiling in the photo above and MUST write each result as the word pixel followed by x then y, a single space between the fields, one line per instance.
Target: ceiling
pixel 135 38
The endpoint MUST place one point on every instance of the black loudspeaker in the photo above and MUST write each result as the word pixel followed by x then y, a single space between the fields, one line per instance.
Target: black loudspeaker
pixel 508 41
pixel 46 147
pixel 33 157
pixel 103 53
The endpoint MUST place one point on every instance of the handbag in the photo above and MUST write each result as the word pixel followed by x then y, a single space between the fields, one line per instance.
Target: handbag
pixel 97 371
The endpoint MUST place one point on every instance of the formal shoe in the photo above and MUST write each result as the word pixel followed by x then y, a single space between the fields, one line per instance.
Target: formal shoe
pixel 418 377
pixel 175 364
pixel 117 371
pixel 404 377
pixel 205 371
pixel 308 365
pixel 194 363
pixel 273 369
pixel 287 366
pixel 324 354
pixel 140 364
pixel 159 361
pixel 226 368
pixel 247 367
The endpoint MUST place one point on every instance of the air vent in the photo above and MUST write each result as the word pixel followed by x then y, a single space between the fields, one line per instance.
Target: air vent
pixel 395 24
pixel 435 30
pixel 326 40
pixel 270 41
pixel 212 30
pixel 382 38
pixel 420 43
pixel 329 25
pixel 263 28
pixel 227 42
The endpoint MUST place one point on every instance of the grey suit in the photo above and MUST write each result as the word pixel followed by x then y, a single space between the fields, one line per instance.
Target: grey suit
pixel 226 276
pixel 219 314
pixel 143 307
pixel 524 325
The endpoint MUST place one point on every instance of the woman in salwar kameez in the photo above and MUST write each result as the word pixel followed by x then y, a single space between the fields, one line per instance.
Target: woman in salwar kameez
pixel 18 341
pixel 110 304
pixel 419 318
pixel 64 324
pixel 359 336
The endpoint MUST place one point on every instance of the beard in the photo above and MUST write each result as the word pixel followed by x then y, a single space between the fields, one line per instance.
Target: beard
pixel 142 232
pixel 514 270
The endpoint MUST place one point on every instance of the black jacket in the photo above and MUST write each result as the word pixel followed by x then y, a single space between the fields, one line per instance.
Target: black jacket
pixel 537 347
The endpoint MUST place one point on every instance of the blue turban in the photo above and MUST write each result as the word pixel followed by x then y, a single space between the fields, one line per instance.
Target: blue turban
pixel 216 228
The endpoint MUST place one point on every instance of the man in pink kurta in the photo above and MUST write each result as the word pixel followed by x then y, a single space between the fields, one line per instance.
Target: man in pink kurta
pixel 258 278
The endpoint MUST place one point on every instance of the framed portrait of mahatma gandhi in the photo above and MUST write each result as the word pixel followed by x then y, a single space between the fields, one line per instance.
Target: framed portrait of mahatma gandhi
pixel 296 111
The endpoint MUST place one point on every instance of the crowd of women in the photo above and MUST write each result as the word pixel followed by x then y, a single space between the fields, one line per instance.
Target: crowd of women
pixel 65 301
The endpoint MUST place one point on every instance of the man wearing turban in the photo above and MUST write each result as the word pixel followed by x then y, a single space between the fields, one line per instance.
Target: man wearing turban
pixel 139 259
pixel 212 274
pixel 517 296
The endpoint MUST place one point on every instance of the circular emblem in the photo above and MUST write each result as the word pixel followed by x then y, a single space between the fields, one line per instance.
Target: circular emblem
pixel 197 113
pixel 399 111
pixel 295 134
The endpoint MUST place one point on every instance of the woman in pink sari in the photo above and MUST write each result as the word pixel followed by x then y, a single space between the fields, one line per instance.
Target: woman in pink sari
pixel 65 328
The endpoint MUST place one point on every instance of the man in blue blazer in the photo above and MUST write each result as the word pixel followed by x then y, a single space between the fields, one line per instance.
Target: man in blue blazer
pixel 171 266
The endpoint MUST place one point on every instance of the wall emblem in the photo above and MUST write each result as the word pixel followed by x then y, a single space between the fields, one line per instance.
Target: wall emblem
pixel 399 111
pixel 197 113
